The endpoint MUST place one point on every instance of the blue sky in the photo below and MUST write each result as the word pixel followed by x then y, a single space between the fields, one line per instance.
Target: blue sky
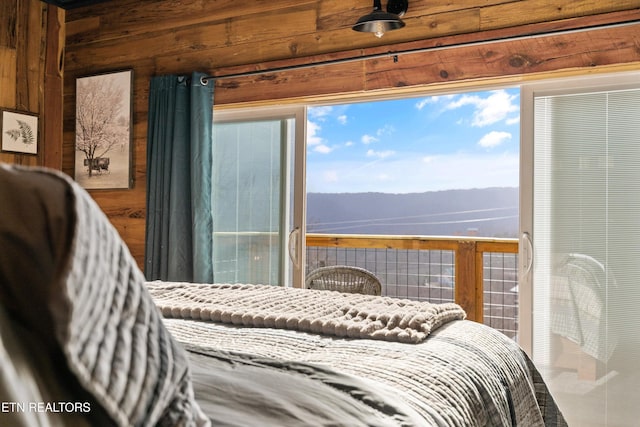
pixel 467 140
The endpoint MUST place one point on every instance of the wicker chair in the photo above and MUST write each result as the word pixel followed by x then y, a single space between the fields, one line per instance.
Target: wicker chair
pixel 344 278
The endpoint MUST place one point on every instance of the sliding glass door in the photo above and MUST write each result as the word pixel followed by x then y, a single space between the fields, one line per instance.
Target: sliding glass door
pixel 257 209
pixel 580 247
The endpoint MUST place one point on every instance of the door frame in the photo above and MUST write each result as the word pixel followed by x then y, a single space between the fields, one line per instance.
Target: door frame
pixel 526 251
pixel 292 218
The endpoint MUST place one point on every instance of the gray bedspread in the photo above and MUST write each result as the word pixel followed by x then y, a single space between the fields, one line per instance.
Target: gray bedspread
pixel 240 389
pixel 463 374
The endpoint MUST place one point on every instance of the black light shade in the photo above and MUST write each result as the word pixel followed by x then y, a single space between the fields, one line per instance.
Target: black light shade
pixel 379 22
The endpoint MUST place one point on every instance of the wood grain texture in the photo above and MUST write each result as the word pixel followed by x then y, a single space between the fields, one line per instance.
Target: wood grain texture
pixel 227 36
pixel 24 41
pixel 8 69
pixel 8 15
pixel 465 290
pixel 51 146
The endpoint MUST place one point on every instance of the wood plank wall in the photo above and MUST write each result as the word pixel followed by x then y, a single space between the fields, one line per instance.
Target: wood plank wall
pixel 226 36
pixel 31 73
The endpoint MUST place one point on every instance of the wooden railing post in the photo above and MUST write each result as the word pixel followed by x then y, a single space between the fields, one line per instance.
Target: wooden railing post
pixel 479 286
pixel 465 289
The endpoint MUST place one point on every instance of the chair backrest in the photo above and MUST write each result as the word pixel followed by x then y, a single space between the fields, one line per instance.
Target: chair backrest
pixel 582 315
pixel 344 278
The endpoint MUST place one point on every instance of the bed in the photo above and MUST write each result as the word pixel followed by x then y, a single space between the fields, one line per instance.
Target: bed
pixel 86 340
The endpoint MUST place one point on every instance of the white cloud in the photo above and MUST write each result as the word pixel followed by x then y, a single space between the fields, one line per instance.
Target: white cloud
pixel 432 100
pixel 368 139
pixel 493 139
pixel 342 119
pixel 513 121
pixel 424 102
pixel 323 149
pixel 496 107
pixel 319 113
pixel 314 141
pixel 380 154
pixel 313 129
pixel 386 130
pixel 348 143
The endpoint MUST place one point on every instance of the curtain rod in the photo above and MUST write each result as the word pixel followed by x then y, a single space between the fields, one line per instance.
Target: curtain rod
pixel 396 54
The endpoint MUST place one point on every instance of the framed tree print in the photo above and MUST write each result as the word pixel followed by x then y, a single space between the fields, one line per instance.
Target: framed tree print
pixel 19 132
pixel 103 130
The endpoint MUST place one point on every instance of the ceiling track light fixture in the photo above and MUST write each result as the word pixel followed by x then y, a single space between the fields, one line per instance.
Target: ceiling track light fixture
pixel 379 22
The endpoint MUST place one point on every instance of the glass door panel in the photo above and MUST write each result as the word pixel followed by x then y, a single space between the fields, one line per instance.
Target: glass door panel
pixel 253 198
pixel 584 204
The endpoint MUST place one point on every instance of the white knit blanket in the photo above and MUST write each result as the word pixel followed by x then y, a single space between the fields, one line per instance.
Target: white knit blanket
pixel 306 310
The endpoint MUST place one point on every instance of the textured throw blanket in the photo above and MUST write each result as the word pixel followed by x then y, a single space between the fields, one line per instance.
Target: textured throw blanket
pixel 306 310
pixel 92 303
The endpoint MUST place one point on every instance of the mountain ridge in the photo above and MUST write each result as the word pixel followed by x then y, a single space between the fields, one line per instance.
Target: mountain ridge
pixel 488 212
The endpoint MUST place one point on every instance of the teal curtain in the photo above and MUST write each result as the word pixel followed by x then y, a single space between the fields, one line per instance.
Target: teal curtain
pixel 179 226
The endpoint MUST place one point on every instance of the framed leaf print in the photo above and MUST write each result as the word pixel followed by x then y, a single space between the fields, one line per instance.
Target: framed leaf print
pixel 19 132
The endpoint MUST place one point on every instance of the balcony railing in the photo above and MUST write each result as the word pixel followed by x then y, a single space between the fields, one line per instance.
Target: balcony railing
pixel 480 274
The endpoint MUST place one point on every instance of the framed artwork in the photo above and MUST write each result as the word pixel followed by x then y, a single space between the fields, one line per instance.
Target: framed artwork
pixel 103 130
pixel 19 132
